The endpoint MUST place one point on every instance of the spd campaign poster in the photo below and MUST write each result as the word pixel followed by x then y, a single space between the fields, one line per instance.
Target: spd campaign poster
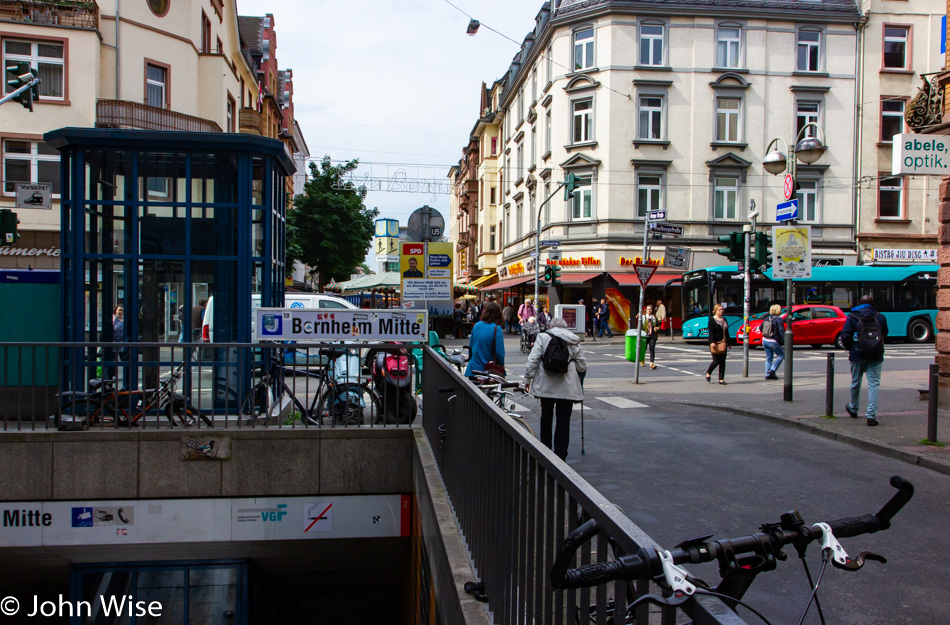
pixel 426 277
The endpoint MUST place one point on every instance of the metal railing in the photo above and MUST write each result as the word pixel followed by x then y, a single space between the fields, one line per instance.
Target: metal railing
pixel 75 13
pixel 515 502
pixel 79 386
pixel 126 114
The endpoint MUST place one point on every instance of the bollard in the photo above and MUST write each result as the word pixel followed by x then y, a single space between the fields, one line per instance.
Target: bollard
pixel 830 386
pixel 932 403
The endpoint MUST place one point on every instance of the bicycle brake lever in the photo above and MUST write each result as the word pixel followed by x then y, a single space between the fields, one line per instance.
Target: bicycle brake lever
pixel 857 563
pixel 839 557
pixel 677 599
pixel 675 575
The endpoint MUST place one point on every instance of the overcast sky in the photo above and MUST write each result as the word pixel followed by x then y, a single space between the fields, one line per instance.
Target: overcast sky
pixel 393 83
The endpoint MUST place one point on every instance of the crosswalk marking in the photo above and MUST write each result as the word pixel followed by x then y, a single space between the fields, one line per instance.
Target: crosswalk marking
pixel 622 402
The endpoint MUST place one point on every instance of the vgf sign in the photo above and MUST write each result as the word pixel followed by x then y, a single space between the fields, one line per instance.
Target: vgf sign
pixel 917 154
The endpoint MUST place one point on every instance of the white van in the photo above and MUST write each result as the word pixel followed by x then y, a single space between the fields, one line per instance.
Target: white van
pixel 291 300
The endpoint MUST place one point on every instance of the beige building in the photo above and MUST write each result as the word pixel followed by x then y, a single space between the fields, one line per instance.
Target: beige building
pixel 151 64
pixel 900 43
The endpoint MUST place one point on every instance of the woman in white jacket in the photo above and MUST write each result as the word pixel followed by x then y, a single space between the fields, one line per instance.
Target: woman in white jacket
pixel 557 391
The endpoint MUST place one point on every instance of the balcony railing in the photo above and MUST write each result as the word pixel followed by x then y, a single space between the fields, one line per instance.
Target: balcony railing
pixel 138 116
pixel 251 122
pixel 75 13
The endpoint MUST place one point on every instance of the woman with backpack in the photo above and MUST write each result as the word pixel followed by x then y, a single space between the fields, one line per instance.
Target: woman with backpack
pixel 554 374
pixel 773 341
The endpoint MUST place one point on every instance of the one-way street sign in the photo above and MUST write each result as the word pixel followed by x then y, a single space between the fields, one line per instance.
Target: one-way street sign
pixel 787 211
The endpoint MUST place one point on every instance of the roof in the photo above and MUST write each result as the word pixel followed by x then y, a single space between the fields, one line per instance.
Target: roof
pixel 801 7
pixel 251 30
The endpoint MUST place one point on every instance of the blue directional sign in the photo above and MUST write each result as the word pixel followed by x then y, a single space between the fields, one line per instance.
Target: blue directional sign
pixel 786 211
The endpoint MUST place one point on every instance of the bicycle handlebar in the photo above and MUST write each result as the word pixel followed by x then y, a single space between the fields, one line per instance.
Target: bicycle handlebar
pixel 646 563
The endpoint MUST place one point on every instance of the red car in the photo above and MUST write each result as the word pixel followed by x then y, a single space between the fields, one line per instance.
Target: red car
pixel 812 324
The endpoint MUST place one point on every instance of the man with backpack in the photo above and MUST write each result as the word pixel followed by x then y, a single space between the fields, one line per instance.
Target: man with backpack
pixel 554 373
pixel 863 335
pixel 773 341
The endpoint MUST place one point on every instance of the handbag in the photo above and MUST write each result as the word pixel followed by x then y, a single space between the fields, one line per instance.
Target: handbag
pixel 719 347
pixel 491 366
pixel 663 324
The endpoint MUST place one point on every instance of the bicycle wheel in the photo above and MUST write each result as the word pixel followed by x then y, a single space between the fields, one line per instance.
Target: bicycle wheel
pixel 185 414
pixel 350 403
pixel 77 411
pixel 520 421
pixel 257 404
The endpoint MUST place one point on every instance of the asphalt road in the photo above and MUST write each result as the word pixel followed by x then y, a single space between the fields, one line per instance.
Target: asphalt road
pixel 681 471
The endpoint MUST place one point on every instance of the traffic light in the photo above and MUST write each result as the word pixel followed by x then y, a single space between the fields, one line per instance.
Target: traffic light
pixel 736 250
pixel 763 255
pixel 8 227
pixel 555 275
pixel 19 73
pixel 571 183
pixel 548 274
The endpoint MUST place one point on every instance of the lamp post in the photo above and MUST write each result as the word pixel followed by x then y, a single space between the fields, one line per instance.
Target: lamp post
pixel 537 244
pixel 807 150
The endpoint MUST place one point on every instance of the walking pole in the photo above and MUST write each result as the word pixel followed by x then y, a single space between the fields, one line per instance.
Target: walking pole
pixel 582 427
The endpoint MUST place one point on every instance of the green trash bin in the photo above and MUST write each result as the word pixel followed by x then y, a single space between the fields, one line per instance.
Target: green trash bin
pixel 635 345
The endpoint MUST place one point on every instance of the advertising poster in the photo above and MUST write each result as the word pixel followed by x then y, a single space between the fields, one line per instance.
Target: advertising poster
pixel 791 251
pixel 426 277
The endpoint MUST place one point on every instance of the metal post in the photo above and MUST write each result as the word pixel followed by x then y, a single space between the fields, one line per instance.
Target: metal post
pixel 789 340
pixel 934 389
pixel 537 245
pixel 644 259
pixel 747 231
pixel 830 385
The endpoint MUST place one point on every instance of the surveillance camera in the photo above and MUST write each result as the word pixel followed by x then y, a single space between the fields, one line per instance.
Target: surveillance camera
pixel 753 215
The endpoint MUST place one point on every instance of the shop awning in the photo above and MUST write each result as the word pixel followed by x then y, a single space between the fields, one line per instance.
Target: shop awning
pixel 577 278
pixel 630 279
pixel 507 284
pixel 480 281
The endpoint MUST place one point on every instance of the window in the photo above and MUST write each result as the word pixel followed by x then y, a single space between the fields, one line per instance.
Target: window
pixel 46 57
pixel 549 63
pixel 892 119
pixel 534 85
pixel 492 197
pixel 895 47
pixel 809 51
pixel 494 146
pixel 648 194
pixel 508 169
pixel 532 211
pixel 534 145
pixel 727 48
pixel 29 161
pixel 519 218
pixel 725 198
pixel 583 112
pixel 584 49
pixel 651 44
pixel 547 132
pixel 727 119
pixel 231 113
pixel 520 156
pixel 890 198
pixel 220 46
pixel 521 105
pixel 807 113
pixel 807 200
pixel 547 207
pixel 581 204
pixel 491 235
pixel 205 33
pixel 651 117
pixel 158 7
pixel 155 85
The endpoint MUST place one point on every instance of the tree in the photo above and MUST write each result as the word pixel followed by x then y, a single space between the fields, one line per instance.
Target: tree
pixel 329 228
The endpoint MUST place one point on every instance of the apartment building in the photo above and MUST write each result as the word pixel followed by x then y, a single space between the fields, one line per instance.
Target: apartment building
pixel 154 65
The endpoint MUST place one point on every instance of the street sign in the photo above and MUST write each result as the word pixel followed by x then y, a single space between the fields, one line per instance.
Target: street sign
pixel 532 253
pixel 550 243
pixel 668 229
pixel 554 255
pixel 786 211
pixel 656 237
pixel 677 258
pixel 34 195
pixel 644 273
pixel 789 186
pixel 656 215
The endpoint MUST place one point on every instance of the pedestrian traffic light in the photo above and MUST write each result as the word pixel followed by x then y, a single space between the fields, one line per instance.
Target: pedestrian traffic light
pixel 763 255
pixel 8 227
pixel 548 274
pixel 555 275
pixel 736 246
pixel 19 73
pixel 570 183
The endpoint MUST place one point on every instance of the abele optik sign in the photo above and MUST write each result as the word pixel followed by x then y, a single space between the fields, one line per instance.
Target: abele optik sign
pixel 920 155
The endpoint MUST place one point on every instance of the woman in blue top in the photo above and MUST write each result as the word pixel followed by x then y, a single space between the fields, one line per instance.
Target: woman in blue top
pixel 486 333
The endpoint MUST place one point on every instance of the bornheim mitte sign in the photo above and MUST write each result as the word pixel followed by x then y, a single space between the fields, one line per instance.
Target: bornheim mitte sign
pixel 920 154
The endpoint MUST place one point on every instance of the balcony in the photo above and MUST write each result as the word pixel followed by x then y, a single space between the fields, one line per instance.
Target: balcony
pixel 137 116
pixel 251 122
pixel 462 241
pixel 74 13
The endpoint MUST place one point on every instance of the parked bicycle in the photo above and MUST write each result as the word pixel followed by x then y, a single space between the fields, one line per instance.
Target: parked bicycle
pixel 737 570
pixel 105 404
pixel 501 391
pixel 339 398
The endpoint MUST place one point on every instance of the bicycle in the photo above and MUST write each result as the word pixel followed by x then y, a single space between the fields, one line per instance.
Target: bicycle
pixel 737 572
pixel 341 403
pixel 125 407
pixel 496 388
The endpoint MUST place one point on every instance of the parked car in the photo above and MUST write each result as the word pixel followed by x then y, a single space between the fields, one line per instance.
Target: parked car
pixel 812 324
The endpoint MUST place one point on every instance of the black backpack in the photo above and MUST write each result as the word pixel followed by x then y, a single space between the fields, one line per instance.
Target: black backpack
pixel 870 338
pixel 557 355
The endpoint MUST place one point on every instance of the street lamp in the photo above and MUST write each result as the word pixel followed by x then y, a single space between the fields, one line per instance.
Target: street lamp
pixel 807 149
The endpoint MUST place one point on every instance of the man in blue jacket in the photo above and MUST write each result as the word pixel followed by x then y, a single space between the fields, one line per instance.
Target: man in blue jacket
pixel 863 335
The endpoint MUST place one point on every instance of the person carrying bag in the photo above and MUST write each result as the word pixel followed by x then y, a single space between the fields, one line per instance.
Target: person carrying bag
pixel 486 343
pixel 718 344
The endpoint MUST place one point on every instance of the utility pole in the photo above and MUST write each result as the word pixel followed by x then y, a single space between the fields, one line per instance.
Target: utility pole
pixel 645 258
pixel 748 233
pixel 571 182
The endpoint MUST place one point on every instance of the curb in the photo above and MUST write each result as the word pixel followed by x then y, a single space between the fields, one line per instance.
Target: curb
pixel 877 447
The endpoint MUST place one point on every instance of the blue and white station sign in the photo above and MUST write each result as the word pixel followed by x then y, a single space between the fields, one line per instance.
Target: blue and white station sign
pixel 786 211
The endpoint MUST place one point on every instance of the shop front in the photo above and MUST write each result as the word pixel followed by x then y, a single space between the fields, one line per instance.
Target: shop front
pixel 36 249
